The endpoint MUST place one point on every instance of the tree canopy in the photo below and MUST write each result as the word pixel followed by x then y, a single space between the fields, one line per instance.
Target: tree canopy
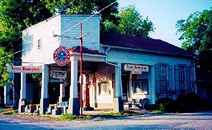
pixel 196 35
pixel 83 7
pixel 132 23
pixel 16 15
pixel 5 59
pixel 196 31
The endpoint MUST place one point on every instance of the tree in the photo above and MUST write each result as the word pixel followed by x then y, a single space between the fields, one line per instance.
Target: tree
pixel 16 15
pixel 196 36
pixel 133 24
pixel 83 7
pixel 5 58
pixel 196 31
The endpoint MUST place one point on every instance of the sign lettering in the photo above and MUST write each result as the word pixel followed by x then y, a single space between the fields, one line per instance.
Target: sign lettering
pixel 26 69
pixel 136 69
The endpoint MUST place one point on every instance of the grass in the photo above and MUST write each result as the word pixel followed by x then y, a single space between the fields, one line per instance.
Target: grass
pixel 8 111
pixel 156 112
pixel 69 117
pixel 1 110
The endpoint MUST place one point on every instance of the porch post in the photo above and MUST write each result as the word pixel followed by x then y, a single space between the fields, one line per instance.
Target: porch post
pixel 194 78
pixel 130 87
pixel 74 103
pixel 44 90
pixel 62 89
pixel 118 103
pixel 22 99
pixel 152 88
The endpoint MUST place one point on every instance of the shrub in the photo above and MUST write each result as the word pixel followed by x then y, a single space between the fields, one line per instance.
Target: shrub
pixel 187 102
pixel 166 105
pixel 190 102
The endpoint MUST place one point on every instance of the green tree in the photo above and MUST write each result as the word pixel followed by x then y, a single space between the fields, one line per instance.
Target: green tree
pixel 133 24
pixel 196 35
pixel 16 15
pixel 5 58
pixel 196 31
pixel 83 7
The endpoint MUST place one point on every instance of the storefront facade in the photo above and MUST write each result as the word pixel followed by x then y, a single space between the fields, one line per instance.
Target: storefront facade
pixel 116 69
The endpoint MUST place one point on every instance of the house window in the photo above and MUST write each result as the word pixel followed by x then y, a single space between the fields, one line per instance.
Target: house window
pixel 163 74
pixel 183 77
pixel 39 44
pixel 27 43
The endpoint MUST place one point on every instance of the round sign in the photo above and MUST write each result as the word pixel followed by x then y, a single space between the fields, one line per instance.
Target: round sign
pixel 61 56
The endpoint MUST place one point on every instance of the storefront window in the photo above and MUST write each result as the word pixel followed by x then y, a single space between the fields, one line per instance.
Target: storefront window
pixel 140 83
pixel 104 88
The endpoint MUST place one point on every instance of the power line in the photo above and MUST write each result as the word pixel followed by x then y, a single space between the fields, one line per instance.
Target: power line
pixel 86 19
pixel 11 54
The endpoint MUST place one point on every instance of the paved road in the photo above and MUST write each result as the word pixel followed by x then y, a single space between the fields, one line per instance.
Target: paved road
pixel 200 121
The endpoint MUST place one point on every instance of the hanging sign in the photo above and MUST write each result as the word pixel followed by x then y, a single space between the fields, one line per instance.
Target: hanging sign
pixel 61 56
pixel 57 75
pixel 136 69
pixel 26 69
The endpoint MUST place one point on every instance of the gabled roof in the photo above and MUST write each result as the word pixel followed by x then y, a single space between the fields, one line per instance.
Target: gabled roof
pixel 147 45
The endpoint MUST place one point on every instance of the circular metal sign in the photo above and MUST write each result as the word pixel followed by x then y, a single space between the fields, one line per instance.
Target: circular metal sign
pixel 61 56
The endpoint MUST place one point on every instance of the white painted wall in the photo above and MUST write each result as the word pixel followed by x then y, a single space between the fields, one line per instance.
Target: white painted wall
pixel 67 35
pixel 43 31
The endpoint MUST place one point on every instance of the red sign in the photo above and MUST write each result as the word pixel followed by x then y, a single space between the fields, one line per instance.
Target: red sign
pixel 61 56
pixel 27 69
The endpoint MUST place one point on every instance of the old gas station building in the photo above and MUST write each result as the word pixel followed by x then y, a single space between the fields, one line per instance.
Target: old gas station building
pixel 117 70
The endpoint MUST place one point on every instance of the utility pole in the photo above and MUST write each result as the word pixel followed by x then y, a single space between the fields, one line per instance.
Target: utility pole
pixel 81 69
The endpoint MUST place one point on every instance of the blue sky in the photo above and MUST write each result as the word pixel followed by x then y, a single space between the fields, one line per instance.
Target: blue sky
pixel 165 13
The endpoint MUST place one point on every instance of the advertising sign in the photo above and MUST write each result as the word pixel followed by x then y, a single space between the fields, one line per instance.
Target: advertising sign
pixel 136 69
pixel 26 69
pixel 57 75
pixel 61 56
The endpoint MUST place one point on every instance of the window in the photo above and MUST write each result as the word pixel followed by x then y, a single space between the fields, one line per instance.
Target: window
pixel 163 74
pixel 104 88
pixel 39 44
pixel 140 83
pixel 183 77
pixel 27 43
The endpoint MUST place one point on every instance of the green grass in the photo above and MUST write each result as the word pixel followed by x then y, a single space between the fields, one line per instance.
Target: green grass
pixel 157 112
pixel 6 111
pixel 113 114
pixel 1 110
pixel 69 117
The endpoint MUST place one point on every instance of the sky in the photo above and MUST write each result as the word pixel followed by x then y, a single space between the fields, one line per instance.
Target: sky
pixel 165 13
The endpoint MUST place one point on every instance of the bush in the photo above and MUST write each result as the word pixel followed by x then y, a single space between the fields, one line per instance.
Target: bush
pixel 166 105
pixel 190 102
